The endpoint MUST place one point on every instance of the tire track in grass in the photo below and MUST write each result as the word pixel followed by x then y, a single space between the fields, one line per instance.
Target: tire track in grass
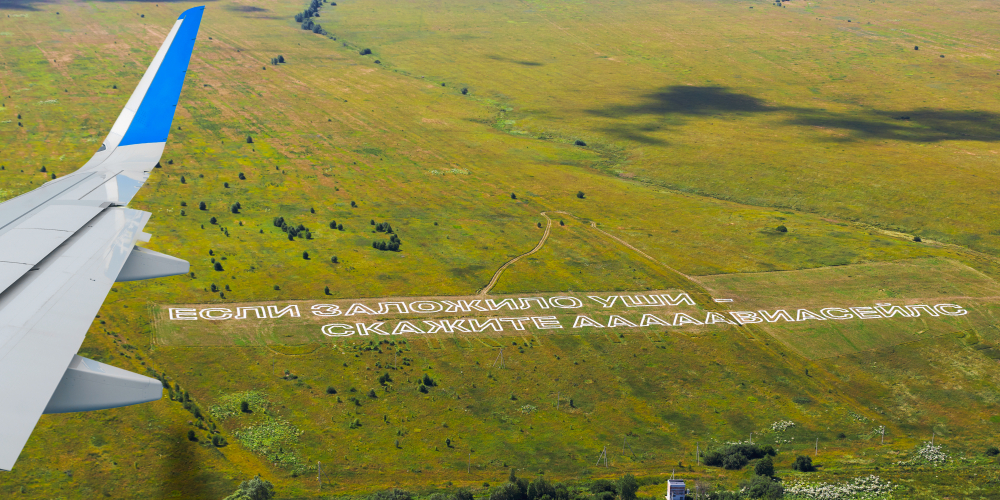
pixel 496 276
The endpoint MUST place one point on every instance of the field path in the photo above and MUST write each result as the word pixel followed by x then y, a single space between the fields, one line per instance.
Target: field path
pixel 548 227
pixel 496 276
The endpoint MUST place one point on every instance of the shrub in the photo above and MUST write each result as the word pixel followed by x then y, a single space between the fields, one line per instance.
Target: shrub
pixel 330 390
pixel 422 388
pixel 305 255
pixel 244 407
pixel 333 224
pixel 992 451
pixel 393 494
pixel 428 381
pixel 765 467
pixel 334 259
pixel 249 140
pixel 191 436
pixel 225 185
pixel 217 267
pixel 763 487
pixel 213 220
pixel 803 464
pixel 365 52
pixel 781 229
pixel 326 291
pixel 256 489
pixel 242 177
pixel 579 194
pixel 465 90
pixel 513 196
pixel 578 142
pixel 183 180
pixel 734 462
pixel 202 206
pixel 371 394
pixel 627 486
pixel 916 239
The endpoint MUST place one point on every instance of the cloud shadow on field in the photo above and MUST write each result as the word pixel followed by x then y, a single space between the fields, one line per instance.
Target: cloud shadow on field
pixel 245 8
pixel 675 105
pixel 507 59
pixel 28 5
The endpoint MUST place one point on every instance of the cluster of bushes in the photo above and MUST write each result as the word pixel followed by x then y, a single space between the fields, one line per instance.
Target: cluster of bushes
pixel 274 62
pixel 293 231
pixel 737 456
pixel 334 225
pixel 425 382
pixel 392 245
pixel 382 227
pixel 305 17
pixel 235 208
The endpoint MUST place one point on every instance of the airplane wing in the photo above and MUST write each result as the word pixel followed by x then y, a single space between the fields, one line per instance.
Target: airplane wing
pixel 62 247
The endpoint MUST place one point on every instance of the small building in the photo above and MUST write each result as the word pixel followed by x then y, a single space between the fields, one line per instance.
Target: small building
pixel 675 489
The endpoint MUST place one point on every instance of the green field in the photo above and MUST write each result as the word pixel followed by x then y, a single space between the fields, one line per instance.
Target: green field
pixel 705 126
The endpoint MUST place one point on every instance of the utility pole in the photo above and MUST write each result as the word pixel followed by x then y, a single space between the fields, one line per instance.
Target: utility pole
pixel 319 474
pixel 470 462
pixel 751 437
pixel 499 358
pixel 817 446
pixel 883 434
pixel 697 453
pixel 932 437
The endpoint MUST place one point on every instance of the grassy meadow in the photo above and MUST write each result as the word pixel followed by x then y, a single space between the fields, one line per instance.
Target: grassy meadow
pixel 705 126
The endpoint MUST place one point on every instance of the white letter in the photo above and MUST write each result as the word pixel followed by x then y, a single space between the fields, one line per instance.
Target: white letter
pixel 606 302
pixel 573 301
pixel 649 319
pixel 425 306
pixel 713 317
pixel 331 330
pixel 383 307
pixel 183 314
pixel 357 308
pixel 683 319
pixel 492 323
pixel 546 322
pixel 915 310
pixel 376 327
pixel 406 327
pixel 241 312
pixel 828 312
pixel 615 321
pixel 682 298
pixel 541 302
pixel 746 317
pixel 891 311
pixel 804 314
pixel 292 310
pixel 463 305
pixel 207 313
pixel 508 303
pixel 582 321
pixel 516 322
pixel 326 310
pixel 960 312
pixel 866 313
pixel 642 300
pixel 779 314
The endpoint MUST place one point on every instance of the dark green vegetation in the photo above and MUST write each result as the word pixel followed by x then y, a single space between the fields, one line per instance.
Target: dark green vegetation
pixel 712 137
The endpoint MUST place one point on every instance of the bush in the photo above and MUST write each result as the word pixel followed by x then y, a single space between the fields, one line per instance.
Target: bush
pixel 422 388
pixel 428 381
pixel 781 229
pixel 245 407
pixel 579 194
pixel 513 196
pixel 202 206
pixel 578 142
pixel 803 464
pixel 254 489
pixel 365 52
pixel 992 451
pixel 249 140
pixel 765 467
pixel 218 266
pixel 305 255
pixel 735 461
pixel 916 239
pixel 465 90
pixel 763 487
pixel 627 486
pixel 393 494
pixel 331 390
pixel 191 436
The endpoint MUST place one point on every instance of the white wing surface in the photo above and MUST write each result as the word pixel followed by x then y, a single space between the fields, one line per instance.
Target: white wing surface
pixel 62 247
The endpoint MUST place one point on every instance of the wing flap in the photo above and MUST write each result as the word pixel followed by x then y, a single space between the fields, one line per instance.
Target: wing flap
pixel 45 316
pixel 91 385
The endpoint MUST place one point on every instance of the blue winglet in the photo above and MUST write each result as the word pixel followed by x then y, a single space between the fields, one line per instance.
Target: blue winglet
pixel 156 113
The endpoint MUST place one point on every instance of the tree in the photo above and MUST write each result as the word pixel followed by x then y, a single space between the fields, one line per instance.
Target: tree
pixel 202 206
pixel 249 140
pixel 508 491
pixel 330 390
pixel 781 229
pixel 465 90
pixel 371 393
pixel 393 494
pixel 281 59
pixel 447 442
pixel 340 227
pixel 225 185
pixel 428 381
pixel 803 464
pixel 43 168
pixel 242 177
pixel 353 205
pixel 579 194
pixel 334 259
pixel 254 489
pixel 627 486
pixel 765 467
pixel 244 407
pixel 333 224
pixel 735 461
pixel 326 290
pixel 183 180
pixel 365 52
pixel 191 436
pixel 305 255
pixel 235 208
pixel 213 220
pixel 217 267
pixel 513 196
pixel 763 487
